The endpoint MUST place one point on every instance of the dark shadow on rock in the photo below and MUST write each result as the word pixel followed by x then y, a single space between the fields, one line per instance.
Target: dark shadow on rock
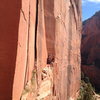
pixel 9 23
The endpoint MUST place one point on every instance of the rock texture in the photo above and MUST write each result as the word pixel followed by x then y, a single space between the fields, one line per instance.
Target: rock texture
pixel 91 48
pixel 90 40
pixel 40 49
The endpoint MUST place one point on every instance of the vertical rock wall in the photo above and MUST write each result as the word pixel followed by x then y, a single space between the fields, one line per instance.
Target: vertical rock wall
pixel 31 32
pixel 67 48
pixel 25 47
pixel 9 22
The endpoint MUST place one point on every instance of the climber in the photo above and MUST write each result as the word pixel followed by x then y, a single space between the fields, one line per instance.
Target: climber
pixel 50 59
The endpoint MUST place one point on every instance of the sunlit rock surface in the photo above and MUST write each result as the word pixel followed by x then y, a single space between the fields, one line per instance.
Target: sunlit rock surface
pixel 40 49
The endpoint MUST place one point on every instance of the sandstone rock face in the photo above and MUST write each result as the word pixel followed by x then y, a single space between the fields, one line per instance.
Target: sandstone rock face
pixel 92 25
pixel 91 39
pixel 9 22
pixel 91 48
pixel 33 31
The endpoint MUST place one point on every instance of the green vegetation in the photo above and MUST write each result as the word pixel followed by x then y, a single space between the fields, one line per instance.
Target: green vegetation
pixel 86 89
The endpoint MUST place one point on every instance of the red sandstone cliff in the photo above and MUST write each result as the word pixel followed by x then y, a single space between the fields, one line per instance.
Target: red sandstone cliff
pixel 91 39
pixel 34 33
pixel 91 48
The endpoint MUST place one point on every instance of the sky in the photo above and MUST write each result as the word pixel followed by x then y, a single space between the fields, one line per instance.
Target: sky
pixel 89 7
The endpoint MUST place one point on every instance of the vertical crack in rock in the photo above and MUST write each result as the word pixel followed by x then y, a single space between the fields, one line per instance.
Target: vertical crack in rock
pixel 70 35
pixel 26 73
pixel 36 23
pixel 69 53
pixel 73 9
pixel 23 14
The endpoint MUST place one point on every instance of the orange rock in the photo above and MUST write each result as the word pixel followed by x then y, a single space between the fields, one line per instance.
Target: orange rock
pixel 32 31
pixel 91 48
pixel 25 48
pixel 9 23
pixel 91 39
